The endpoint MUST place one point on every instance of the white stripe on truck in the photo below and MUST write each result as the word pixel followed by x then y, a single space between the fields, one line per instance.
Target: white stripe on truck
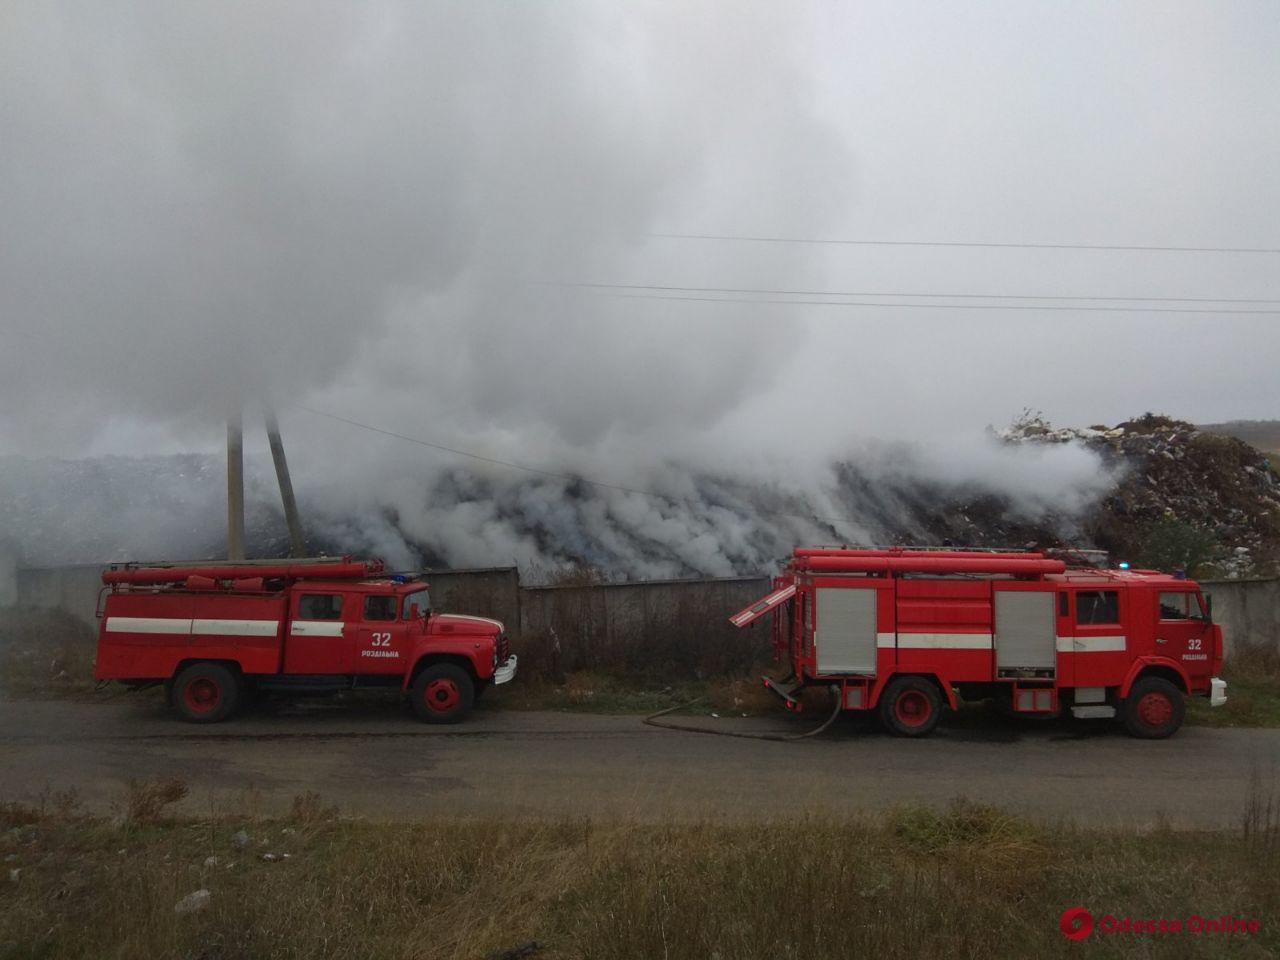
pixel 148 625
pixel 317 628
pixel 944 641
pixel 464 616
pixel 1110 644
pixel 235 628
pixel 200 628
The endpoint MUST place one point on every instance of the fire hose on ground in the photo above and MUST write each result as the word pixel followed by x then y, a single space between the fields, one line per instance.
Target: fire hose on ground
pixel 653 721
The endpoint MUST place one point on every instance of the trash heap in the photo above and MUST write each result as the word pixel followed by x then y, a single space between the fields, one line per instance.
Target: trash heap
pixel 1183 497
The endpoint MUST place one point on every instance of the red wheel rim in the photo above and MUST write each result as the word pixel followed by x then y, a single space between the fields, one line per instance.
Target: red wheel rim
pixel 202 695
pixel 912 709
pixel 442 695
pixel 1155 710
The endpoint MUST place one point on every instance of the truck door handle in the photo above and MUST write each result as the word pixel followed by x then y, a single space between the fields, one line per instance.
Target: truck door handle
pixel 1161 640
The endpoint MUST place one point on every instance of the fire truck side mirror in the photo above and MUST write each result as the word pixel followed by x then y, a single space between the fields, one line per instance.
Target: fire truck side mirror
pixel 1208 608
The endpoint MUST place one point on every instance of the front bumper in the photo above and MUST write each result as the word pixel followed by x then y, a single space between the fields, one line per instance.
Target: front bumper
pixel 505 671
pixel 1217 692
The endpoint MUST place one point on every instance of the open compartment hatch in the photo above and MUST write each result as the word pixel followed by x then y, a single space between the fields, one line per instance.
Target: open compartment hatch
pixel 763 606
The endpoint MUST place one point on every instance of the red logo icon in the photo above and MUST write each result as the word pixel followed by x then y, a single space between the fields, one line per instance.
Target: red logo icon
pixel 1076 923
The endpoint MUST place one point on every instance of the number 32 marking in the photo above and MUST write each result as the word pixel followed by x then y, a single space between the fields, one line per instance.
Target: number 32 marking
pixel 381 639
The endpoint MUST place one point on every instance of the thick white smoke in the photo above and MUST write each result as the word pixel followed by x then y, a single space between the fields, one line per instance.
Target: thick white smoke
pixel 670 520
pixel 222 204
pixel 368 210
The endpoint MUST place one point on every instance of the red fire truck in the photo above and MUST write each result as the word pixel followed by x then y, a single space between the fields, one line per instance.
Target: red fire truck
pixel 906 632
pixel 214 633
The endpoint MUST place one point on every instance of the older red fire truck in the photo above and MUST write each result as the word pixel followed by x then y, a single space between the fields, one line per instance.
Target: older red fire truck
pixel 906 632
pixel 213 633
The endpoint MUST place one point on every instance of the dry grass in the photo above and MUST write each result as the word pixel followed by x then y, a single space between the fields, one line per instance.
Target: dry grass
pixel 146 800
pixel 1253 691
pixel 588 691
pixel 44 651
pixel 962 881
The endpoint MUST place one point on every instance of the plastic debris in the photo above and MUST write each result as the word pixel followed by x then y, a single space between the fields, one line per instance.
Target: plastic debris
pixel 193 902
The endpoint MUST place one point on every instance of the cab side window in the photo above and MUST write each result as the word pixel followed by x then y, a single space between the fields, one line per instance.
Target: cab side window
pixel 379 608
pixel 320 606
pixel 1179 606
pixel 1097 607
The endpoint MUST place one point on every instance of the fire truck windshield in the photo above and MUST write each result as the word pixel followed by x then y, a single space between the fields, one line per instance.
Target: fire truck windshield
pixel 421 598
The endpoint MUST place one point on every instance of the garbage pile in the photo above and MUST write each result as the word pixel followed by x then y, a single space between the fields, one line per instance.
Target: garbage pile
pixel 1184 497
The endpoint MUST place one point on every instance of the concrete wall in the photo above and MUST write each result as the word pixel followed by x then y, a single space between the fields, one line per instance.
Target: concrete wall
pixel 1248 610
pixel 8 578
pixel 71 589
pixel 663 628
pixel 491 592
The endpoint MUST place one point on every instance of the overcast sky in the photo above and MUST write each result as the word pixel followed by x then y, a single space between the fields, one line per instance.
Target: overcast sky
pixel 367 209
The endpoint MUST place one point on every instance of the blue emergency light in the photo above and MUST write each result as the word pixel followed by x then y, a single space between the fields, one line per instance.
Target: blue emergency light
pixel 1124 564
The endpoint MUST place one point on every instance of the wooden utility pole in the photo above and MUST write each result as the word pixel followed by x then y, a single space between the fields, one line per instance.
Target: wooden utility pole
pixel 297 546
pixel 235 487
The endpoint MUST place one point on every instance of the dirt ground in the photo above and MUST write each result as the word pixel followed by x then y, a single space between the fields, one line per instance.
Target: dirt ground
pixel 376 762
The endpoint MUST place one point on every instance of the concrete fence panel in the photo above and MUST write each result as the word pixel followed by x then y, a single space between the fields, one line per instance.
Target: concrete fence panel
pixel 490 592
pixel 1248 610
pixel 72 589
pixel 655 628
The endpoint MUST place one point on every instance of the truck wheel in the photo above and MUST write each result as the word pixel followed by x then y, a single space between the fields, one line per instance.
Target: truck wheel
pixel 910 707
pixel 443 693
pixel 1154 709
pixel 205 693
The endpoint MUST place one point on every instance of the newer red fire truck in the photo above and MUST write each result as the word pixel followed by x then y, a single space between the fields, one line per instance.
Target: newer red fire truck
pixel 907 632
pixel 214 633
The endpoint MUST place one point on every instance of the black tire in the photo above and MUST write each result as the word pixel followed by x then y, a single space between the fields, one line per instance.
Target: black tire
pixel 443 693
pixel 1154 709
pixel 910 707
pixel 206 693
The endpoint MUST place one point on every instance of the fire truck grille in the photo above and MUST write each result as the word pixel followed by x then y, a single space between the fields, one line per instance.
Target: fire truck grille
pixel 504 648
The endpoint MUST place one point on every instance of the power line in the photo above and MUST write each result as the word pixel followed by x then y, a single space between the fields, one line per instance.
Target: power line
pixel 938 296
pixel 573 478
pixel 964 243
pixel 935 306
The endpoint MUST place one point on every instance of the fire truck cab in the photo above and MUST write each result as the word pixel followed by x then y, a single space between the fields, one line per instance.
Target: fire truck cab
pixel 214 633
pixel 910 632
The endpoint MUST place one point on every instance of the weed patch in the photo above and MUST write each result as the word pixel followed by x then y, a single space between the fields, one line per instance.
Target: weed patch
pixel 146 800
pixel 44 651
pixel 964 880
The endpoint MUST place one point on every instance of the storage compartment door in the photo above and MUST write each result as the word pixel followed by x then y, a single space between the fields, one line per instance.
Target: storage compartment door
pixel 1026 632
pixel 845 634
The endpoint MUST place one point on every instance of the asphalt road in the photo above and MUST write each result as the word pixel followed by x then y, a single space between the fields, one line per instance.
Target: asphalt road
pixel 375 761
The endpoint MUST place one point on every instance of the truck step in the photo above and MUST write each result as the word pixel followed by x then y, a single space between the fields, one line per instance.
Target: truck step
pixel 1093 711
pixel 789 692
